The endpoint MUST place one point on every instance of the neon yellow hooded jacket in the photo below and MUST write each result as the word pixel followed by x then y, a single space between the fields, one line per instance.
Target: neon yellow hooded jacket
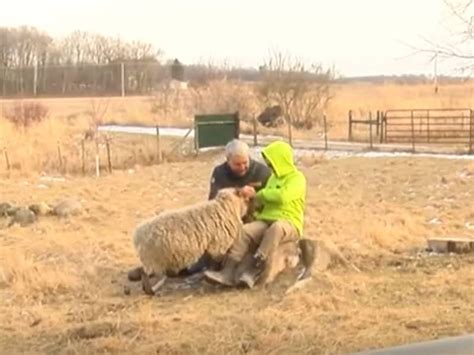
pixel 284 195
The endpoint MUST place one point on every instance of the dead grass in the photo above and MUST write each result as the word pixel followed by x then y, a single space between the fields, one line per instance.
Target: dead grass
pixel 177 108
pixel 470 169
pixel 62 280
pixel 55 144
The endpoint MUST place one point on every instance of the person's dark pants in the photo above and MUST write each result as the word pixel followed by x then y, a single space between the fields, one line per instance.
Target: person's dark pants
pixel 204 262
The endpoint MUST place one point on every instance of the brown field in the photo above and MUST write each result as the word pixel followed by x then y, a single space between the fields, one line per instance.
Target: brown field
pixel 37 148
pixel 62 280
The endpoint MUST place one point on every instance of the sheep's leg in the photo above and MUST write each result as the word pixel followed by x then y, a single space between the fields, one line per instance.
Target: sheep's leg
pixel 146 285
pixel 308 256
pixel 152 288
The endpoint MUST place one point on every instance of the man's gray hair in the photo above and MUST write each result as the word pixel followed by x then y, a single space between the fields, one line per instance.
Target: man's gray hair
pixel 237 148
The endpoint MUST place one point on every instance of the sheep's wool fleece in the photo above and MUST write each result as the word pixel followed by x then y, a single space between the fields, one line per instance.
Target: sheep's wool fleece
pixel 175 239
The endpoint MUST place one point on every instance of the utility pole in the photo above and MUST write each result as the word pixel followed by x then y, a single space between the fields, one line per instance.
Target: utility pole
pixel 436 73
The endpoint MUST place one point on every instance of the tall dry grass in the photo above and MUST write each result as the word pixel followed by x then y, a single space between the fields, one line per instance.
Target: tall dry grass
pixel 58 145
pixel 36 149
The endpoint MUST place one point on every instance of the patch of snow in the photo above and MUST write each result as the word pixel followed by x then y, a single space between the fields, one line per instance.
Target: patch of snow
pixel 52 178
pixel 329 154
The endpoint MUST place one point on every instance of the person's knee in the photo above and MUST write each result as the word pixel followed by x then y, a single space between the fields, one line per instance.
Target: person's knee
pixel 278 229
pixel 284 230
pixel 254 228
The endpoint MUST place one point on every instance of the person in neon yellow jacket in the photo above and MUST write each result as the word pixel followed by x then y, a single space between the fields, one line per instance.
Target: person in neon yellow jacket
pixel 281 218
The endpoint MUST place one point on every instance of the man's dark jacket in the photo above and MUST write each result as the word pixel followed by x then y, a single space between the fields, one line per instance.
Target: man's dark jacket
pixel 223 177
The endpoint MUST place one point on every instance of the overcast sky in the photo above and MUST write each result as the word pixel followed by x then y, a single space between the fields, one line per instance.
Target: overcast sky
pixel 360 37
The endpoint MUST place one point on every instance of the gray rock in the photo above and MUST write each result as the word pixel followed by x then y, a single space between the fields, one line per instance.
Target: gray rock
pixel 23 217
pixel 66 208
pixel 4 208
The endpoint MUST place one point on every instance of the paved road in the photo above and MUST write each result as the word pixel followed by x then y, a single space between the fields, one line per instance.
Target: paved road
pixel 297 143
pixel 460 345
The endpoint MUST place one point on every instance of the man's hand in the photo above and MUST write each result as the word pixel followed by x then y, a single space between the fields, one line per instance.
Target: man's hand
pixel 248 192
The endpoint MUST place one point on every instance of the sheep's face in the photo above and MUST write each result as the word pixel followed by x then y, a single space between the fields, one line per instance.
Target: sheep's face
pixel 238 200
pixel 290 255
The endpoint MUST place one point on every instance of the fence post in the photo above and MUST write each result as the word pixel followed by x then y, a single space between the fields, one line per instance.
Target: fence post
pixel 35 78
pixel 325 133
pixel 83 156
pixel 290 130
pixel 158 145
pixel 381 127
pixel 109 160
pixel 196 136
pixel 122 78
pixel 97 161
pixel 378 124
pixel 350 126
pixel 7 160
pixel 428 125
pixel 471 131
pixel 412 131
pixel 60 158
pixel 370 131
pixel 254 122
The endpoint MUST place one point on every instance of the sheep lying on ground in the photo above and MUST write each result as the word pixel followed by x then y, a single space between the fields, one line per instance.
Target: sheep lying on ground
pixel 288 255
pixel 176 239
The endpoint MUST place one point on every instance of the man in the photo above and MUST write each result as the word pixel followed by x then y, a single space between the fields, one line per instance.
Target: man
pixel 281 219
pixel 238 170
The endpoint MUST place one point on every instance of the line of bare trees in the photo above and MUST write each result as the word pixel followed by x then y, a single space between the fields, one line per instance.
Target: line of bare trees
pixel 82 62
pixel 27 46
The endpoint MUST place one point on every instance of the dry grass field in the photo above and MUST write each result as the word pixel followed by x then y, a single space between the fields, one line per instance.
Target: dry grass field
pixel 63 280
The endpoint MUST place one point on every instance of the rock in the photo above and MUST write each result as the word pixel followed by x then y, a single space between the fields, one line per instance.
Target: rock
pixel 451 245
pixel 23 216
pixel 41 209
pixel 126 290
pixel 4 208
pixel 66 208
pixel 272 116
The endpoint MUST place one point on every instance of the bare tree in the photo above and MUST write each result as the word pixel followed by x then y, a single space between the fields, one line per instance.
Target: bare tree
pixel 459 42
pixel 301 90
pixel 97 112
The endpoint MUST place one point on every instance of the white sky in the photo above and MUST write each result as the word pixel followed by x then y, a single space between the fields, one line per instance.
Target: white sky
pixel 360 37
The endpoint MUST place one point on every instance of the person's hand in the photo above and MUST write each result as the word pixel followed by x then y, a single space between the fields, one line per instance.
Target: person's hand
pixel 248 192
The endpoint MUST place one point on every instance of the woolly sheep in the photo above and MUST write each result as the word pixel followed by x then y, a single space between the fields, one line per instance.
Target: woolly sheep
pixel 288 256
pixel 176 239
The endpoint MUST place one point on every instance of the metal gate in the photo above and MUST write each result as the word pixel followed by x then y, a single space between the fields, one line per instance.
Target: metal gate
pixel 449 126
